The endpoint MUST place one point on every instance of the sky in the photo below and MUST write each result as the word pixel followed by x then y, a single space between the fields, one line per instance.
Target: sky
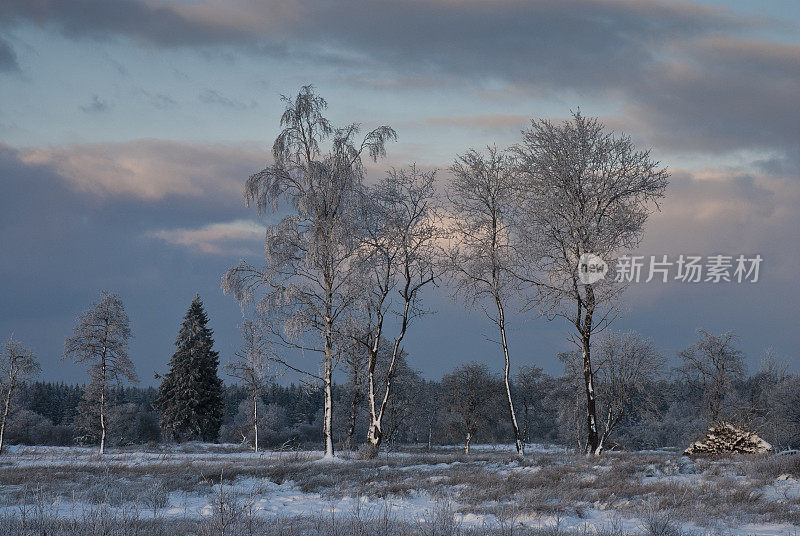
pixel 128 128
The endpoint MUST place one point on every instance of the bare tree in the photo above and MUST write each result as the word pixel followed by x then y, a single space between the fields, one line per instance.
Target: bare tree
pixel 17 364
pixel 711 366
pixel 399 255
pixel 311 254
pixel 100 338
pixel 532 385
pixel 251 367
pixel 626 364
pixel 586 191
pixel 765 397
pixel 354 359
pixel 468 391
pixel 481 259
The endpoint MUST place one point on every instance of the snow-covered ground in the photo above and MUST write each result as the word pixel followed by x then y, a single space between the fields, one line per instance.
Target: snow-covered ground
pixel 549 488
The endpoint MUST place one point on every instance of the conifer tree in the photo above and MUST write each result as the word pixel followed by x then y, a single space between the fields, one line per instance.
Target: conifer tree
pixel 190 398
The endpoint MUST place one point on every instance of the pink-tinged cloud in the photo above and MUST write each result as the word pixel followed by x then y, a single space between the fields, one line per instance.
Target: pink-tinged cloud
pixel 150 169
pixel 237 237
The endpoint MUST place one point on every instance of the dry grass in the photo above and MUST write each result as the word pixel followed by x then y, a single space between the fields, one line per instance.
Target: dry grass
pixel 663 490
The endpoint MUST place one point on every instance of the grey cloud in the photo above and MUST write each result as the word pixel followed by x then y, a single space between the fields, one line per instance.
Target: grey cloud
pixel 724 94
pixel 95 105
pixel 729 211
pixel 160 101
pixel 209 96
pixel 62 246
pixel 8 58
pixel 160 25
pixel 549 42
pixel 683 69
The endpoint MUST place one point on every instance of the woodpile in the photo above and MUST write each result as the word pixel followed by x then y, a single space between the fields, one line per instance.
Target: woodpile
pixel 728 439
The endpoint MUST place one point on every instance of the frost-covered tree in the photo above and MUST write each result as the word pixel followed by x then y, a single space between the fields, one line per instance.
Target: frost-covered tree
pixel 399 258
pixel 190 398
pixel 403 406
pixel 17 364
pixel 711 366
pixel 625 366
pixel 468 392
pixel 536 393
pixel 100 339
pixel 628 365
pixel 586 191
pixel 251 368
pixel 355 359
pixel 482 259
pixel 305 288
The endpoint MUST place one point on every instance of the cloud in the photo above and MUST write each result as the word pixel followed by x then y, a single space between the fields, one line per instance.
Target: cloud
pixel 483 121
pixel 728 211
pixel 62 246
pixel 96 105
pixel 724 94
pixel 151 169
pixel 159 101
pixel 8 58
pixel 154 23
pixel 228 238
pixel 545 42
pixel 685 72
pixel 209 96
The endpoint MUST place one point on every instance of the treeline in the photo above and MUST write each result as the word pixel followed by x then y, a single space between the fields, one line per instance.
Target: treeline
pixel 469 400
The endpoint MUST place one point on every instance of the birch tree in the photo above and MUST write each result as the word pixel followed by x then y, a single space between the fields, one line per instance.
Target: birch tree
pixel 585 191
pixel 304 288
pixel 16 365
pixel 100 339
pixel 251 367
pixel 400 257
pixel 481 259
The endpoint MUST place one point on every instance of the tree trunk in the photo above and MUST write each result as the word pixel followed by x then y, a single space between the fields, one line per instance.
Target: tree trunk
pixel 375 432
pixel 327 431
pixel 351 425
pixel 593 441
pixel 5 415
pixel 512 414
pixel 255 422
pixel 466 445
pixel 103 404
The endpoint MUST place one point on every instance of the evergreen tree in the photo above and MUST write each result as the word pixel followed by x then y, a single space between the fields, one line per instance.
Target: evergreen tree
pixel 191 398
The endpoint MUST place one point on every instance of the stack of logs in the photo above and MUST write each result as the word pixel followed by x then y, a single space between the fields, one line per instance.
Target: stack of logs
pixel 725 438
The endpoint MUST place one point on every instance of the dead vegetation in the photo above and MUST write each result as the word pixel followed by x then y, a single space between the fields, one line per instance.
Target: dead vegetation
pixel 500 488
